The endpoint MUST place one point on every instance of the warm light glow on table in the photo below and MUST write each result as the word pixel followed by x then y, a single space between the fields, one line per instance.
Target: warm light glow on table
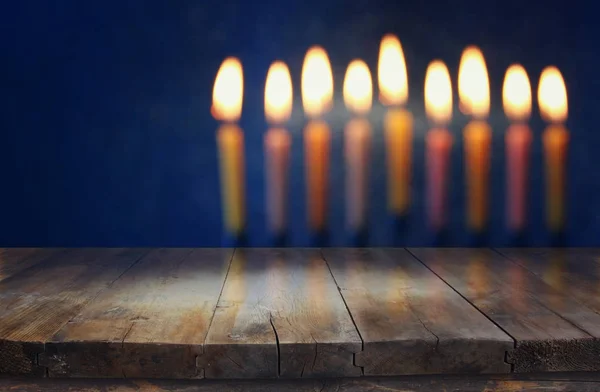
pixel 358 97
pixel 552 98
pixel 317 98
pixel 278 108
pixel 228 94
pixel 438 106
pixel 398 123
pixel 516 99
pixel 474 94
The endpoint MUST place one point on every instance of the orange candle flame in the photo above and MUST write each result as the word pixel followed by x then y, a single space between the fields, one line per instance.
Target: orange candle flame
pixel 317 82
pixel 358 88
pixel 552 96
pixel 516 94
pixel 391 72
pixel 228 91
pixel 473 83
pixel 278 94
pixel 438 93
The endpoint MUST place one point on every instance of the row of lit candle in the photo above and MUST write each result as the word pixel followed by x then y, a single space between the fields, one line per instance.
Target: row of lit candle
pixel 317 98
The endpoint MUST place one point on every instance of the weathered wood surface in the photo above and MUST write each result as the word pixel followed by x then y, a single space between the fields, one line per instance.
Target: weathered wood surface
pixel 14 260
pixel 574 272
pixel 39 300
pixel 553 332
pixel 566 383
pixel 410 321
pixel 151 323
pixel 280 314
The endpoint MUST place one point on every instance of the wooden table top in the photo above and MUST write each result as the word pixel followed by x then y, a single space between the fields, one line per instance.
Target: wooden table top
pixel 297 313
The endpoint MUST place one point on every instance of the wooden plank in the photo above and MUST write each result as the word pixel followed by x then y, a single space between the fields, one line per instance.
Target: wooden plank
pixel 39 300
pixel 280 314
pixel 573 272
pixel 571 383
pixel 553 332
pixel 410 321
pixel 14 260
pixel 152 322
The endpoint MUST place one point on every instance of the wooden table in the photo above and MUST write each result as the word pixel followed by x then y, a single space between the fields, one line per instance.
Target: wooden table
pixel 297 313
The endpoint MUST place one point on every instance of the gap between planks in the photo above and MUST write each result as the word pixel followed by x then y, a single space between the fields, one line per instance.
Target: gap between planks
pixel 507 354
pixel 362 341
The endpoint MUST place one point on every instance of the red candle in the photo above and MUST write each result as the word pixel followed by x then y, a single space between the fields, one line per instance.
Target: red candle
pixel 278 107
pixel 516 98
pixel 358 97
pixel 438 142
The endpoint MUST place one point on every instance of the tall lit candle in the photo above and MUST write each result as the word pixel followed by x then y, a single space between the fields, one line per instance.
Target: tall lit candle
pixel 227 106
pixel 552 98
pixel 317 98
pixel 474 94
pixel 438 142
pixel 278 108
pixel 398 123
pixel 516 99
pixel 358 97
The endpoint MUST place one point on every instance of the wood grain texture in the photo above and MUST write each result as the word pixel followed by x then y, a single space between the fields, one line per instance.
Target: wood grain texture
pixel 553 332
pixel 573 272
pixel 152 322
pixel 410 321
pixel 280 314
pixel 15 260
pixel 568 383
pixel 39 300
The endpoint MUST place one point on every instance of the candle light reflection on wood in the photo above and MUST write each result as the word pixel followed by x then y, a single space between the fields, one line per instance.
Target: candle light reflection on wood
pixel 552 98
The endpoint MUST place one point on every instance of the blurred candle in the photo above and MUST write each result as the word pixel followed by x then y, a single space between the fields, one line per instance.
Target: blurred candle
pixel 516 99
pixel 317 98
pixel 398 123
pixel 358 97
pixel 227 106
pixel 552 98
pixel 474 94
pixel 438 142
pixel 278 108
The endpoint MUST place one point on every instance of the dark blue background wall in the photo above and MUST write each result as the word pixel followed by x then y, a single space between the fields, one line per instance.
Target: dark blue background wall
pixel 107 138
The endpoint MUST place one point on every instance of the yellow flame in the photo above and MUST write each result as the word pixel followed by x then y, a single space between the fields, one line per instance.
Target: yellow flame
pixel 391 72
pixel 473 83
pixel 516 93
pixel 552 96
pixel 228 92
pixel 358 87
pixel 438 93
pixel 278 93
pixel 317 82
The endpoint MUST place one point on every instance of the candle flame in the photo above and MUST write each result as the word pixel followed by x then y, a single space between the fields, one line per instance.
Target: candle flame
pixel 278 93
pixel 552 96
pixel 473 83
pixel 391 72
pixel 358 88
pixel 438 93
pixel 516 93
pixel 228 91
pixel 317 82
